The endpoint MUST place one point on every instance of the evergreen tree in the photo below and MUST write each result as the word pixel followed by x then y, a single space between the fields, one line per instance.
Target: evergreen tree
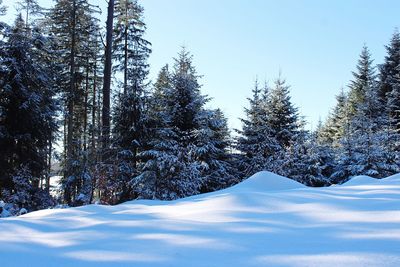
pixel 389 71
pixel 74 27
pixel 370 157
pixel 256 142
pixel 27 116
pixel 308 161
pixel 393 105
pixel 333 129
pixel 212 150
pixel 282 116
pixel 131 51
pixel 364 78
pixel 189 141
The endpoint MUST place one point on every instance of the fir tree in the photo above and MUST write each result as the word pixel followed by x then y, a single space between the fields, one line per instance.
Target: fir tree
pixel 212 150
pixel 188 146
pixel 256 142
pixel 389 71
pixel 364 78
pixel 27 115
pixel 333 129
pixel 282 116
pixel 73 25
pixel 131 51
pixel 308 161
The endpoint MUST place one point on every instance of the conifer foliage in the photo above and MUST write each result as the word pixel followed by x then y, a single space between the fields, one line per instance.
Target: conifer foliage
pixel 189 146
pixel 27 116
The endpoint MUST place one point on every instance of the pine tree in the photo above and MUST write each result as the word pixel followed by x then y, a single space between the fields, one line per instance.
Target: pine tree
pixel 131 52
pixel 370 158
pixel 188 145
pixel 256 142
pixel 308 161
pixel 74 27
pixel 282 116
pixel 27 116
pixel 364 78
pixel 333 129
pixel 389 71
pixel 218 169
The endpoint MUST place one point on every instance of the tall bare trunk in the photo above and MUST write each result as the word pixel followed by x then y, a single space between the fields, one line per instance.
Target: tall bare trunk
pixel 107 77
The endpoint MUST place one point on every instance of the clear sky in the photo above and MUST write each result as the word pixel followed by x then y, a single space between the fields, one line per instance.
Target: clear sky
pixel 314 43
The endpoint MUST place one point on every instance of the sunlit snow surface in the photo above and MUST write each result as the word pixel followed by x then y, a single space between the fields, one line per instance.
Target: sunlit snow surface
pixel 267 220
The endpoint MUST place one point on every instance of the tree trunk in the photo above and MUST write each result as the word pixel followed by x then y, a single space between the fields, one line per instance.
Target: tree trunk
pixel 126 50
pixel 70 100
pixel 107 78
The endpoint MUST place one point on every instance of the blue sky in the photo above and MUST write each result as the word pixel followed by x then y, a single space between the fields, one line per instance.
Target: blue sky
pixel 314 43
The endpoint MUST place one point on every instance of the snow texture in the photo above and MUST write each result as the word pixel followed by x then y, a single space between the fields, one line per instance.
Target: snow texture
pixel 267 220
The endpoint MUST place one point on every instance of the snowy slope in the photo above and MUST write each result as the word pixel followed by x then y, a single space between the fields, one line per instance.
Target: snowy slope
pixel 267 220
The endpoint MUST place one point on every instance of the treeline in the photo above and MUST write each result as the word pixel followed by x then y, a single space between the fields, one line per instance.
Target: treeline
pixel 360 136
pixel 158 140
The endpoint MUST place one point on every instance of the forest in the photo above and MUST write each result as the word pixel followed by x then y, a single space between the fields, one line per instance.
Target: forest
pixel 79 95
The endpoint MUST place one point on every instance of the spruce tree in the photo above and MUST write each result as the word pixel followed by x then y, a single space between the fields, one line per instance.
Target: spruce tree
pixel 389 71
pixel 131 52
pixel 333 129
pixel 188 142
pixel 27 117
pixel 256 141
pixel 282 116
pixel 370 157
pixel 308 161
pixel 73 25
pixel 212 150
pixel 363 78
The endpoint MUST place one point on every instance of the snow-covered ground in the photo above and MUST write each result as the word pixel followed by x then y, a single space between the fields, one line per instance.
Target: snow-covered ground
pixel 267 220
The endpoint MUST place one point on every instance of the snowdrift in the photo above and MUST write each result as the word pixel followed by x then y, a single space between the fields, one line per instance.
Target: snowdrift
pixel 267 220
pixel 267 181
pixel 360 180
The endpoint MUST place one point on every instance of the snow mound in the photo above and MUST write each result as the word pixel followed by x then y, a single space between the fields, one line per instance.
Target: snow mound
pixel 393 179
pixel 361 180
pixel 267 181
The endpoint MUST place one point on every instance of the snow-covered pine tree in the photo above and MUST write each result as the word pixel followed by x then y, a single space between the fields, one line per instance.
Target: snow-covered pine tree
pixel 308 161
pixel 363 78
pixel 332 130
pixel 131 52
pixel 287 127
pixel 256 140
pixel 186 141
pixel 370 154
pixel 361 149
pixel 27 116
pixel 212 150
pixel 282 116
pixel 389 71
pixel 73 24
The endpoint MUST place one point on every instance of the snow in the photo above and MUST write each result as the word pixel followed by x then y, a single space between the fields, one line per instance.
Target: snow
pixel 267 220
pixel 360 180
pixel 267 181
